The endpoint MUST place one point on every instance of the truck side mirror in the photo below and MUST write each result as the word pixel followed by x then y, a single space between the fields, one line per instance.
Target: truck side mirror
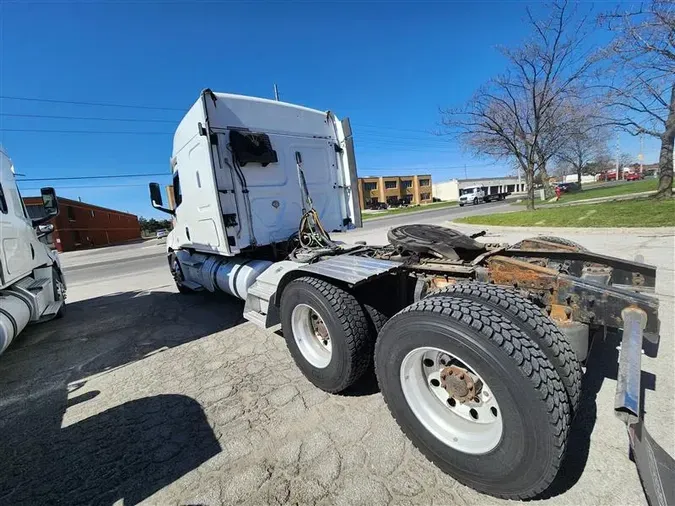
pixel 50 202
pixel 156 195
pixel 156 199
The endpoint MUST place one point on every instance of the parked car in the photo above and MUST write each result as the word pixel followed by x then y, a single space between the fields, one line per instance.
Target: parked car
pixel 633 176
pixel 568 187
pixel 162 232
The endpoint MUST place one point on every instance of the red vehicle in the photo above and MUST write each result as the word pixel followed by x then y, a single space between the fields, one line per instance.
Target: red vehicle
pixel 633 176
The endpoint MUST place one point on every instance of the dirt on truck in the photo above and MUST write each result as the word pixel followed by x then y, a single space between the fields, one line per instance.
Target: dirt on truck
pixel 478 348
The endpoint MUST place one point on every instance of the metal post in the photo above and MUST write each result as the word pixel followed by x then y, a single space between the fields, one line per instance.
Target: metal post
pixel 276 92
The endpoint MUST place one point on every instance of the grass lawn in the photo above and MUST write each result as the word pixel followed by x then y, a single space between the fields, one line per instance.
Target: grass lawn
pixel 630 213
pixel 401 210
pixel 626 188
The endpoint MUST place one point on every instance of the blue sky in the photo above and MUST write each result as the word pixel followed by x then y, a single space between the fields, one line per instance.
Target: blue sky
pixel 389 66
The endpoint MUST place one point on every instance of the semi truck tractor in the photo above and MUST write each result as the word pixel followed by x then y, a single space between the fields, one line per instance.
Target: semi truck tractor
pixel 478 194
pixel 32 286
pixel 478 348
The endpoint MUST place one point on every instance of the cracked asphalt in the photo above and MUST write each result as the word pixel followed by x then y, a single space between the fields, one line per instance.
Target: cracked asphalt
pixel 143 395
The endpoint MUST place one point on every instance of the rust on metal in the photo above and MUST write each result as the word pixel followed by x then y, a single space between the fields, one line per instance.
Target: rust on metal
pixel 559 313
pixel 535 244
pixel 510 271
pixel 458 383
pixel 442 281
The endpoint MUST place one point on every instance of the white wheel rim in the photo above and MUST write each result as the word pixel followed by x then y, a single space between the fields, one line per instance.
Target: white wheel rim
pixel 471 427
pixel 311 335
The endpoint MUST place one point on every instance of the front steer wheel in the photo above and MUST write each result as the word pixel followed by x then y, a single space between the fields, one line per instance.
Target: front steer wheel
pixel 475 395
pixel 328 333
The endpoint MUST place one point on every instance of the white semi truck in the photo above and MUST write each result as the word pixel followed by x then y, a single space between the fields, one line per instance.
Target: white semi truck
pixel 477 347
pixel 478 194
pixel 32 286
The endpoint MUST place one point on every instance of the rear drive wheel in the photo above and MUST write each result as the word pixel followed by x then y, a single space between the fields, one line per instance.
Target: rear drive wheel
pixel 327 333
pixel 532 322
pixel 475 395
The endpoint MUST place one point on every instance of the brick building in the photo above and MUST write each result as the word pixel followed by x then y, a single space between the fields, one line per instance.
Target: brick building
pixel 394 190
pixel 80 225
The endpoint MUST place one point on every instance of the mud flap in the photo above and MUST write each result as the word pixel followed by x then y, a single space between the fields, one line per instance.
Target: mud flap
pixel 655 467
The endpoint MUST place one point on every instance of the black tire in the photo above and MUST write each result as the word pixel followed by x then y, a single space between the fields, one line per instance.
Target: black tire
pixel 59 293
pixel 533 323
pixel 531 397
pixel 177 273
pixel 461 205
pixel 349 327
pixel 377 319
pixel 475 201
pixel 557 240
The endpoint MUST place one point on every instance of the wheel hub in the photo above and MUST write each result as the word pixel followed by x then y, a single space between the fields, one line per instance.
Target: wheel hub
pixel 459 384
pixel 311 335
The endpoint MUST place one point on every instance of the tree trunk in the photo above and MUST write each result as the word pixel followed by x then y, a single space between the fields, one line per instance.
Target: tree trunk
pixel 665 190
pixel 529 181
pixel 579 176
pixel 548 189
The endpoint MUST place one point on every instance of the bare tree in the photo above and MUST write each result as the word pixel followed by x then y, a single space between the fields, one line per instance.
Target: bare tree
pixel 518 114
pixel 642 96
pixel 584 142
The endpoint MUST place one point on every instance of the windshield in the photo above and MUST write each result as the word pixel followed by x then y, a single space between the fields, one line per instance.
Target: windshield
pixel 465 191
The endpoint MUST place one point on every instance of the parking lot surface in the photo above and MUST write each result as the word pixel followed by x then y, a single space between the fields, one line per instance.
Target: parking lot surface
pixel 143 395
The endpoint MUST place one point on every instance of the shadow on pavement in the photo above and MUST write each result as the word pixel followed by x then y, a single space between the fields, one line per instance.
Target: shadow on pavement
pixel 602 363
pixel 127 452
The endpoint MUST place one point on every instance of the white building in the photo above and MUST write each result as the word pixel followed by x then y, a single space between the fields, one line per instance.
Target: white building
pixel 449 190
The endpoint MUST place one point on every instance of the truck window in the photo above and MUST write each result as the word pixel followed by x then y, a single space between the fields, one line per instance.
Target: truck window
pixel 177 195
pixel 3 202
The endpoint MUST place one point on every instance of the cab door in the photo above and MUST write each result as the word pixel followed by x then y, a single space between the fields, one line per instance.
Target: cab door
pixel 16 231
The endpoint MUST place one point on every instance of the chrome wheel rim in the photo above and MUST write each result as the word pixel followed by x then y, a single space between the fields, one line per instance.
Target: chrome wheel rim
pixel 474 426
pixel 311 335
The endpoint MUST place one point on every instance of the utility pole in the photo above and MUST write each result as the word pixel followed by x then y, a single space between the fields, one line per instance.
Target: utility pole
pixel 276 92
pixel 465 175
pixel 618 169
pixel 642 150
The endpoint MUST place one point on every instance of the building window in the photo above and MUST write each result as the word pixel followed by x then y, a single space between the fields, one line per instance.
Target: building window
pixel 425 196
pixel 406 184
pixel 424 182
pixel 3 202
pixel 392 200
pixel 370 186
pixel 71 213
pixel 390 185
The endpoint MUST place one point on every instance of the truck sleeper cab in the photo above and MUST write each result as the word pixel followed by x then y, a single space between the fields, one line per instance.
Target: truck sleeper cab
pixel 32 286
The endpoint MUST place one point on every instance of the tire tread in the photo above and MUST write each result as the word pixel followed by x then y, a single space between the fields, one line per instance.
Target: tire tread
pixel 534 322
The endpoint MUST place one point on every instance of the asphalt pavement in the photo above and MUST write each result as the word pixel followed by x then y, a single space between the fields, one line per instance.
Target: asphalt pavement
pixel 143 395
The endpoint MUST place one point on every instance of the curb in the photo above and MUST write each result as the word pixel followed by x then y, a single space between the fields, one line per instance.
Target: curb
pixel 650 232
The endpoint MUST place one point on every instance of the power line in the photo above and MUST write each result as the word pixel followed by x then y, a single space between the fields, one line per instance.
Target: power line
pixel 106 132
pixel 87 118
pixel 95 104
pixel 113 176
pixel 90 186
